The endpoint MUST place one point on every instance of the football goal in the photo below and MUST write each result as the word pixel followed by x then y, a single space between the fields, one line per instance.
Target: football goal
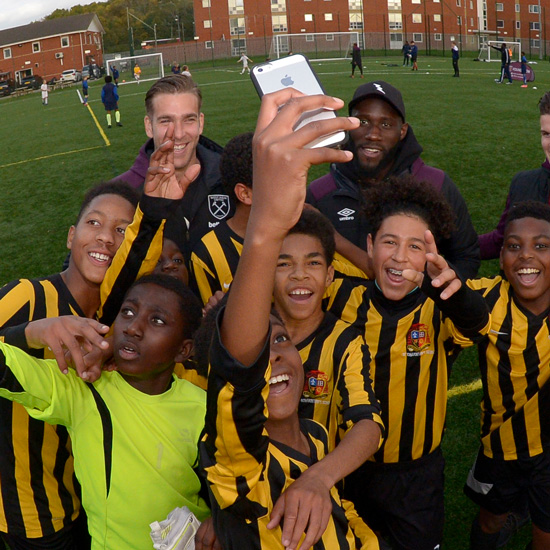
pixel 151 66
pixel 486 53
pixel 335 45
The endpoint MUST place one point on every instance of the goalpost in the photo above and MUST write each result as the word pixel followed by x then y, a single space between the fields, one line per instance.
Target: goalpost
pixel 486 53
pixel 151 66
pixel 334 45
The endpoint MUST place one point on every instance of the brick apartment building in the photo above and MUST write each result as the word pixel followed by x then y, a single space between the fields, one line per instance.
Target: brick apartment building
pixel 49 47
pixel 383 24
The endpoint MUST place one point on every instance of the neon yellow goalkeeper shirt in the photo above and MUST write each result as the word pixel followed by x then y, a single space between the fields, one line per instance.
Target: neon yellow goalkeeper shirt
pixel 134 453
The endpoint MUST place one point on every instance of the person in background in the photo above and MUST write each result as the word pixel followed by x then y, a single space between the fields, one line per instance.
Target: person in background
pixel 115 74
pixel 414 55
pixel 85 90
pixel 524 69
pixel 406 49
pixel 456 56
pixel 109 97
pixel 356 60
pixel 44 89
pixel 176 68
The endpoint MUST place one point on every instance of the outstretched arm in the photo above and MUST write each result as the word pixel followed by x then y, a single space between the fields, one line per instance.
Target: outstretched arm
pixel 278 203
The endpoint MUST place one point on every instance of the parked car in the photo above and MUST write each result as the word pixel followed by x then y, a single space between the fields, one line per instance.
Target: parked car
pixel 33 81
pixel 91 71
pixel 71 75
pixel 7 86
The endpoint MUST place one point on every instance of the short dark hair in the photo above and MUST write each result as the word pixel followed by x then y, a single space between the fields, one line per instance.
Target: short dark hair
pixel 190 307
pixel 406 195
pixel 318 226
pixel 172 84
pixel 528 209
pixel 108 78
pixel 544 104
pixel 236 163
pixel 120 188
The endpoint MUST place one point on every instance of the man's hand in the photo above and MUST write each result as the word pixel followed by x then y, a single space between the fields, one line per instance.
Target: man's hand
pixel 438 269
pixel 205 537
pixel 77 335
pixel 161 180
pixel 305 507
pixel 281 161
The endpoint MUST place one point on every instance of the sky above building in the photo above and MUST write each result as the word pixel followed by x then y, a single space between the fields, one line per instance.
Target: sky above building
pixel 15 14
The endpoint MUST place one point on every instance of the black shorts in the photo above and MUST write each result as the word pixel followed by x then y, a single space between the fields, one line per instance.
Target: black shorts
pixel 403 501
pixel 111 106
pixel 497 485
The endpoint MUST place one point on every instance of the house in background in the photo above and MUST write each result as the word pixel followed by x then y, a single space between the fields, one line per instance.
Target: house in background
pixel 49 47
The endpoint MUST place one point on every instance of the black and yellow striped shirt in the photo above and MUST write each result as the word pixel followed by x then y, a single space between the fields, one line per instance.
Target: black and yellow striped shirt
pixel 38 493
pixel 215 258
pixel 514 359
pixel 337 387
pixel 214 261
pixel 412 344
pixel 247 472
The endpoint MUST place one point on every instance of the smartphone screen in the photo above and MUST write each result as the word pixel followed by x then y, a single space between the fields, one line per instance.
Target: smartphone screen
pixel 296 72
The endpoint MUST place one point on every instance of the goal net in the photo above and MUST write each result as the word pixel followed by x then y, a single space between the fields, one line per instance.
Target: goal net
pixel 335 45
pixel 486 53
pixel 151 66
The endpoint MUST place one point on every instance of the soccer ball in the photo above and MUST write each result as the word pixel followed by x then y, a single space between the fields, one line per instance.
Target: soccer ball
pixel 534 87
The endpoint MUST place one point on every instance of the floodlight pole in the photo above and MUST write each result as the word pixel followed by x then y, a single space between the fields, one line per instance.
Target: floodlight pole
pixel 540 34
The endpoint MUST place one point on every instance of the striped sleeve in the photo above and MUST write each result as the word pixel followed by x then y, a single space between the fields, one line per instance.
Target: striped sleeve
pixel 137 255
pixel 235 444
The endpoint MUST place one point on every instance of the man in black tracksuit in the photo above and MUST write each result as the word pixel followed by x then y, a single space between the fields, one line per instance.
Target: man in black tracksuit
pixel 504 63
pixel 384 145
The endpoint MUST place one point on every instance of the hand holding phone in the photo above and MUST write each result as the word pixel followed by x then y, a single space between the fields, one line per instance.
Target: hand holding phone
pixel 296 72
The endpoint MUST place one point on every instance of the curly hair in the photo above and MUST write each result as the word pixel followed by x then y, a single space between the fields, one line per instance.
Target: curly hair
pixel 528 209
pixel 120 188
pixel 236 163
pixel 406 195
pixel 172 84
pixel 318 226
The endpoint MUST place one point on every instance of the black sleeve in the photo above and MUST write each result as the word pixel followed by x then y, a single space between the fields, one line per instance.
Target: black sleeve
pixel 462 248
pixel 466 308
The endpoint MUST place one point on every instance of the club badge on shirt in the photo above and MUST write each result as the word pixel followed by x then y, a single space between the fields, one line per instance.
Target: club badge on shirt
pixel 418 340
pixel 219 206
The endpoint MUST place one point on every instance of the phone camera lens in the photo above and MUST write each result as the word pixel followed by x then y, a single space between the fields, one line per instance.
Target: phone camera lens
pixel 260 70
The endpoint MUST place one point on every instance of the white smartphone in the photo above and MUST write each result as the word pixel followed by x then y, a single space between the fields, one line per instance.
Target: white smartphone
pixel 296 72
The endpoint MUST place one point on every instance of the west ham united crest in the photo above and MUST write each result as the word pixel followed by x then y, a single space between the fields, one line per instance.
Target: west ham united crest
pixel 219 206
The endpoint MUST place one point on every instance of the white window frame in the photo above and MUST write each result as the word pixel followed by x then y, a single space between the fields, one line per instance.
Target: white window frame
pixel 418 37
pixel 207 23
pixel 499 6
pixel 308 17
pixel 328 17
pixel 36 47
pixel 7 53
pixel 437 37
pixel 518 25
pixel 500 23
pixel 65 41
pixel 534 25
pixel 533 8
pixel 437 17
pixel 209 44
pixel 417 18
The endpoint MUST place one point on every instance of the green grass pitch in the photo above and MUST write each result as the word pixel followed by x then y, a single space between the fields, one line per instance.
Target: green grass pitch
pixel 479 132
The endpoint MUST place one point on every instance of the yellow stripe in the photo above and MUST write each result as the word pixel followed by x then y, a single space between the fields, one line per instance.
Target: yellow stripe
pixel 465 388
pixel 52 156
pixel 102 133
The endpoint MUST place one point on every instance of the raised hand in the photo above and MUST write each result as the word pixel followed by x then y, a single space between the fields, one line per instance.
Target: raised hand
pixel 438 269
pixel 281 162
pixel 161 180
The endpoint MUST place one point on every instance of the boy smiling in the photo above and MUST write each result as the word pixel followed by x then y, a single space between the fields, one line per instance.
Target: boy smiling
pixel 514 459
pixel 256 447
